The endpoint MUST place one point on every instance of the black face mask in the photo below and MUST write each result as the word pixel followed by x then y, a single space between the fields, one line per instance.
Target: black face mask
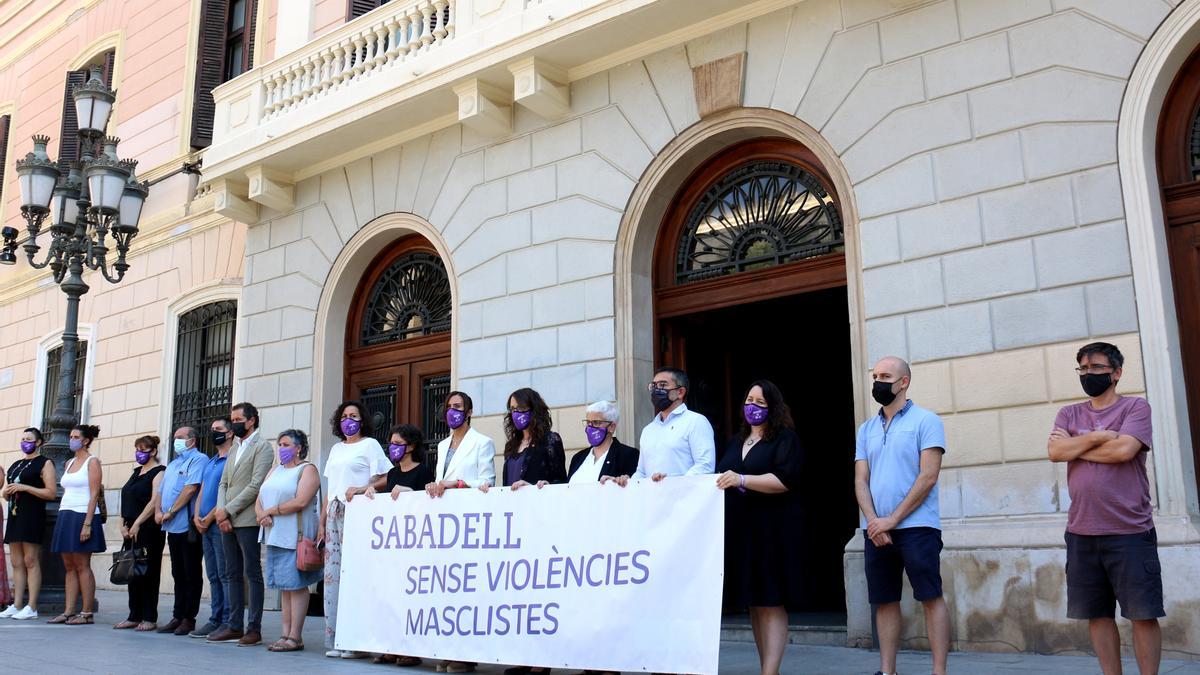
pixel 218 437
pixel 882 393
pixel 239 429
pixel 1095 384
pixel 661 398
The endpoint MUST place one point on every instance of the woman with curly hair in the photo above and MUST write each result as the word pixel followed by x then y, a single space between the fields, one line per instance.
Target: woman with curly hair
pixel 353 464
pixel 758 472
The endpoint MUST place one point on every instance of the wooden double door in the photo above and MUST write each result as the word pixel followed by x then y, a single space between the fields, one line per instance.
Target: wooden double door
pixel 398 342
pixel 1179 174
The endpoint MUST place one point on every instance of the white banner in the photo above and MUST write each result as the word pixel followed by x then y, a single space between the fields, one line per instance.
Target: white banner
pixel 592 576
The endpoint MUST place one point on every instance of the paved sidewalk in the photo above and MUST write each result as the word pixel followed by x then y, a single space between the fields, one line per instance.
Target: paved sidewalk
pixel 36 647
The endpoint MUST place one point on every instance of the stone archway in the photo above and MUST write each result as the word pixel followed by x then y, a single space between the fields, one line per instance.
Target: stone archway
pixel 337 300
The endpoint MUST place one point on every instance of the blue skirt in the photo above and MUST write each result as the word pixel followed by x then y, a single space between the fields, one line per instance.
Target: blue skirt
pixel 66 534
pixel 281 573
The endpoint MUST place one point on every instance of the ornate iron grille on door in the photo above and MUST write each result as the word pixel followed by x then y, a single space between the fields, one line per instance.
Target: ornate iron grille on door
pixel 204 367
pixel 411 299
pixel 434 391
pixel 758 215
pixel 53 368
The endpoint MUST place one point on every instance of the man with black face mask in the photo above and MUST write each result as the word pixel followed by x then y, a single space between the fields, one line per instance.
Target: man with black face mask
pixel 1112 547
pixel 678 441
pixel 897 459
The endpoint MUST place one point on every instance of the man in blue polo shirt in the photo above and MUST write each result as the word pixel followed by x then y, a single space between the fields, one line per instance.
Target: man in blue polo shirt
pixel 898 454
pixel 177 496
pixel 221 435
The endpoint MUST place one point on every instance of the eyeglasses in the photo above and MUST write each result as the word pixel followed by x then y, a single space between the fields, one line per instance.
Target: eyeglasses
pixel 660 385
pixel 597 424
pixel 1094 369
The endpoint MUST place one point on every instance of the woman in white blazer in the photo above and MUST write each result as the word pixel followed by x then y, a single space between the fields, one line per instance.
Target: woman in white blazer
pixel 466 458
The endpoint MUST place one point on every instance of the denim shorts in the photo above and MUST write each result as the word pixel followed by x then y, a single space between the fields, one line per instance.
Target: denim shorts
pixel 1106 569
pixel 915 551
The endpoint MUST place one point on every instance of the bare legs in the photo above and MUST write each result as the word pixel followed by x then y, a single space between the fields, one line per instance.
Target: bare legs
pixel 27 573
pixel 937 626
pixel 295 603
pixel 770 626
pixel 1147 645
pixel 80 580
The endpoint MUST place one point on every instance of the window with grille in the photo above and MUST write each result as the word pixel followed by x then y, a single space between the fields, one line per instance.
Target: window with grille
pixel 5 123
pixel 225 50
pixel 410 299
pixel 204 368
pixel 758 215
pixel 53 370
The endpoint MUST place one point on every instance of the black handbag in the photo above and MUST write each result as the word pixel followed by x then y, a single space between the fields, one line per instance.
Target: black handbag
pixel 128 564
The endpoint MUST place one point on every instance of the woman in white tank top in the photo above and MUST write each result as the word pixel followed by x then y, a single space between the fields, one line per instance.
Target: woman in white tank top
pixel 78 533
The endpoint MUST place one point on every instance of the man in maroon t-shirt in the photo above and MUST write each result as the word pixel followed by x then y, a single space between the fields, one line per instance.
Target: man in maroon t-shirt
pixel 1112 548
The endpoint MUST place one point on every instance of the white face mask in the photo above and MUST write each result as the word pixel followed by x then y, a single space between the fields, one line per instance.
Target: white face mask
pixel 180 446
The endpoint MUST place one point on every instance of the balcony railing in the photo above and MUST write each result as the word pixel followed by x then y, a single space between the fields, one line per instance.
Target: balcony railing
pixel 410 67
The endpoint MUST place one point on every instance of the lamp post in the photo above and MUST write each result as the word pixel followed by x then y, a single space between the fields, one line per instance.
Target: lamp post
pixel 86 202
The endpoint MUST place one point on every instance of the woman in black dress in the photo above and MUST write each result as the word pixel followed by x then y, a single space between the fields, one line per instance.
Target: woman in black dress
pixel 533 452
pixel 759 469
pixel 31 482
pixel 139 530
pixel 406 449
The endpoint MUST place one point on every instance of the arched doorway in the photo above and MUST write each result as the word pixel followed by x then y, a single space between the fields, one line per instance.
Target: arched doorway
pixel 749 279
pixel 1178 155
pixel 398 340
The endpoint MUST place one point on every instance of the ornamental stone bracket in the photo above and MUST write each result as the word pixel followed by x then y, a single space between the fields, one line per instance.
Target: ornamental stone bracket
pixel 231 200
pixel 540 87
pixel 270 188
pixel 484 108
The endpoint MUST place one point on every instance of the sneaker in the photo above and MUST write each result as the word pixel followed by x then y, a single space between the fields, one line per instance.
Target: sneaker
pixel 203 631
pixel 10 612
pixel 252 638
pixel 354 655
pixel 26 614
pixel 334 653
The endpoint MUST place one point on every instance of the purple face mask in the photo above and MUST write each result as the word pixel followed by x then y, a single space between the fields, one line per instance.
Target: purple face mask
pixel 396 451
pixel 351 427
pixel 287 453
pixel 521 419
pixel 595 435
pixel 76 444
pixel 455 417
pixel 141 456
pixel 28 447
pixel 754 414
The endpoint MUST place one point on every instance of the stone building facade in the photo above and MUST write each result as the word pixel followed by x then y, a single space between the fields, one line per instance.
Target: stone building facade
pixel 988 174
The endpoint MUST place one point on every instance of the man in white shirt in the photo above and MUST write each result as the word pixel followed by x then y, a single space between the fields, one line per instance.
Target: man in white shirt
pixel 678 441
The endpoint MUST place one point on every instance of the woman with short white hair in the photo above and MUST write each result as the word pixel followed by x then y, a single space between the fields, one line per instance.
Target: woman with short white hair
pixel 605 456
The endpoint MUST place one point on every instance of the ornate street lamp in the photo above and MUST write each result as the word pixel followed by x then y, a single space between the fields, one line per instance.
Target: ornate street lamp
pixel 87 202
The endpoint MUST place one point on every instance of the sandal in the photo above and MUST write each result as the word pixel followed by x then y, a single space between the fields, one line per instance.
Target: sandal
pixel 81 619
pixel 146 627
pixel 126 624
pixel 287 644
pixel 62 618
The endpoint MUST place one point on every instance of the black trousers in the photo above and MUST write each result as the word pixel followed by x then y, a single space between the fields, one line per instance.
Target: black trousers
pixel 187 569
pixel 143 591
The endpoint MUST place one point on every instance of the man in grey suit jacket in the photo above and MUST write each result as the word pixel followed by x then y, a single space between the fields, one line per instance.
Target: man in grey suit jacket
pixel 243 475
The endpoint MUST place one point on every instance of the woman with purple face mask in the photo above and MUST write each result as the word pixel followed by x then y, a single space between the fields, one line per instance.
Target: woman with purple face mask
pixel 533 452
pixel 353 465
pixel 410 473
pixel 605 456
pixel 31 483
pixel 287 508
pixel 759 473
pixel 139 530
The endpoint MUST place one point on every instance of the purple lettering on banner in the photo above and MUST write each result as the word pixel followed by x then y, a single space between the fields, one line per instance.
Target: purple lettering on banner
pixel 469 574
pixel 551 618
pixel 553 569
pixel 531 620
pixel 574 571
pixel 508 542
pixel 591 581
pixel 393 534
pixel 375 523
pixel 412 582
pixel 470 524
pixel 516 567
pixel 426 533
pixel 501 612
pixel 414 624
pixel 495 575
pixel 637 564
pixel 444 541
pixel 620 567
pixel 410 531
